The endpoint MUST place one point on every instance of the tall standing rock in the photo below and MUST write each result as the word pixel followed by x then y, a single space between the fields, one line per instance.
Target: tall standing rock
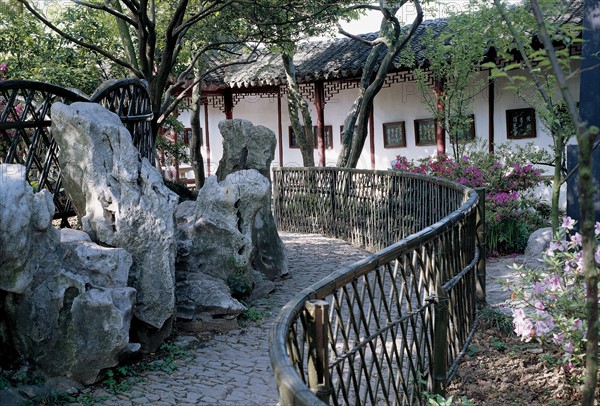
pixel 66 305
pixel 246 146
pixel 122 202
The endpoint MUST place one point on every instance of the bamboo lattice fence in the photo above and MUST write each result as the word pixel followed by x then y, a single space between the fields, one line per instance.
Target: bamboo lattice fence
pixel 25 121
pixel 389 327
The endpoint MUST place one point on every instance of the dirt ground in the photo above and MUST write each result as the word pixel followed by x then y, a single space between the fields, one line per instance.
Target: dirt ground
pixel 500 370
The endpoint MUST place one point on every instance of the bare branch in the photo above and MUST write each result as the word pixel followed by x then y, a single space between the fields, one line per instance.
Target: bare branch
pixel 376 41
pixel 170 106
pixel 108 10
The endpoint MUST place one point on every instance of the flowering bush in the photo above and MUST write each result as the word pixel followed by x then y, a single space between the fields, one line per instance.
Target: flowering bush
pixel 554 295
pixel 510 213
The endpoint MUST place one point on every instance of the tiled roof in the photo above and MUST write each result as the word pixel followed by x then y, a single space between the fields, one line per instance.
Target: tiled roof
pixel 318 60
pixel 335 59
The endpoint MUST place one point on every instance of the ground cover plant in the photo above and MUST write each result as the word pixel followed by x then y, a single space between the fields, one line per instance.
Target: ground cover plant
pixel 510 178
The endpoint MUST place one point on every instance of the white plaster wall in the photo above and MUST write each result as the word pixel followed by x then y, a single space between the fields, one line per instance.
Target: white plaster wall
pixel 400 102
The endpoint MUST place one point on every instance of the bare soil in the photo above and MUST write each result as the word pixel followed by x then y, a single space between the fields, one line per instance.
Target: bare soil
pixel 500 370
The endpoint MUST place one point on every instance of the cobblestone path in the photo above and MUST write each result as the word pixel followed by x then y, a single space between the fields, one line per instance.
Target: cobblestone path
pixel 234 369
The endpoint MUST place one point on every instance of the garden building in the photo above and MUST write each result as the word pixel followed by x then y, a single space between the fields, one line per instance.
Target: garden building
pixel 401 123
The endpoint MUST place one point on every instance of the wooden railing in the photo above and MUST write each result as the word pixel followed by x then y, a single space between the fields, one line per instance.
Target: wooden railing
pixel 390 327
pixel 25 123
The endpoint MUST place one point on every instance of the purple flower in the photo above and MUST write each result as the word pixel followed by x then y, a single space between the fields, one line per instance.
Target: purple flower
pixel 576 239
pixel 597 228
pixel 553 283
pixel 568 223
pixel 558 339
pixel 569 347
pixel 597 254
pixel 555 246
pixel 578 324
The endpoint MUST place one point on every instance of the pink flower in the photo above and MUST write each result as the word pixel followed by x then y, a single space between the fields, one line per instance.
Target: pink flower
pixel 558 339
pixel 568 223
pixel 576 239
pixel 523 326
pixel 555 246
pixel 597 254
pixel 597 228
pixel 578 324
pixel 553 283
pixel 569 347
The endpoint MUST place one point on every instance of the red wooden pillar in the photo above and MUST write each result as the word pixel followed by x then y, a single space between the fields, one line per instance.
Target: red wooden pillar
pixel 491 95
pixel 440 136
pixel 207 139
pixel 228 103
pixel 320 106
pixel 372 136
pixel 280 130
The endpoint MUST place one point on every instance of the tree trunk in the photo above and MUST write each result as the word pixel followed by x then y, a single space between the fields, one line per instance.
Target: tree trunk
pixel 356 124
pixel 196 158
pixel 296 106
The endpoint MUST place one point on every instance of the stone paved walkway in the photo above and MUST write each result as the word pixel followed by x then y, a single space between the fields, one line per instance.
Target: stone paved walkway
pixel 234 369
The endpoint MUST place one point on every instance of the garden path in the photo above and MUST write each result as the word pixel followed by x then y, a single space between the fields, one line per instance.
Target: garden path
pixel 234 369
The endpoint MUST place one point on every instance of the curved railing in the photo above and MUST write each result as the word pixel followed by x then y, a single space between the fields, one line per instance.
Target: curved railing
pixel 25 123
pixel 385 329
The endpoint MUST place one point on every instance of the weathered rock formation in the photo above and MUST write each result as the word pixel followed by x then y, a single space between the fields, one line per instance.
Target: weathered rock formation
pixel 216 246
pixel 67 308
pixel 122 202
pixel 246 146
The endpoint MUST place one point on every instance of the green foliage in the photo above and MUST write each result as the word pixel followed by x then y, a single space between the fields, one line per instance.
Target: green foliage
pixel 472 350
pixel 452 57
pixel 121 378
pixel 239 281
pixel 491 318
pixel 438 400
pixel 22 376
pixel 35 53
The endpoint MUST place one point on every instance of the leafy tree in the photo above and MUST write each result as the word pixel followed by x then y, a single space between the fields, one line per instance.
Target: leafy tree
pixel 33 53
pixel 392 39
pixel 156 39
pixel 542 91
pixel 585 138
pixel 452 58
pixel 287 27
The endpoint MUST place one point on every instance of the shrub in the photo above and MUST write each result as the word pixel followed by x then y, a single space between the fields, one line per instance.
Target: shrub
pixel 509 177
pixel 554 295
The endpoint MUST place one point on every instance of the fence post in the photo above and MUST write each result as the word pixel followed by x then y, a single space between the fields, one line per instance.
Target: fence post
pixel 317 338
pixel 440 341
pixel 481 243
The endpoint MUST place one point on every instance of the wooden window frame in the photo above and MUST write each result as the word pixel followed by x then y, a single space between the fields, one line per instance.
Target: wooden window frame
pixel 418 123
pixel 511 131
pixel 471 129
pixel 394 124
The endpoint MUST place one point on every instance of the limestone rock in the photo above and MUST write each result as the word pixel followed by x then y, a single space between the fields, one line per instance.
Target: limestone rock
pixel 538 243
pixel 25 228
pixel 122 202
pixel 204 304
pixel 71 328
pixel 216 250
pixel 216 239
pixel 71 312
pixel 245 146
